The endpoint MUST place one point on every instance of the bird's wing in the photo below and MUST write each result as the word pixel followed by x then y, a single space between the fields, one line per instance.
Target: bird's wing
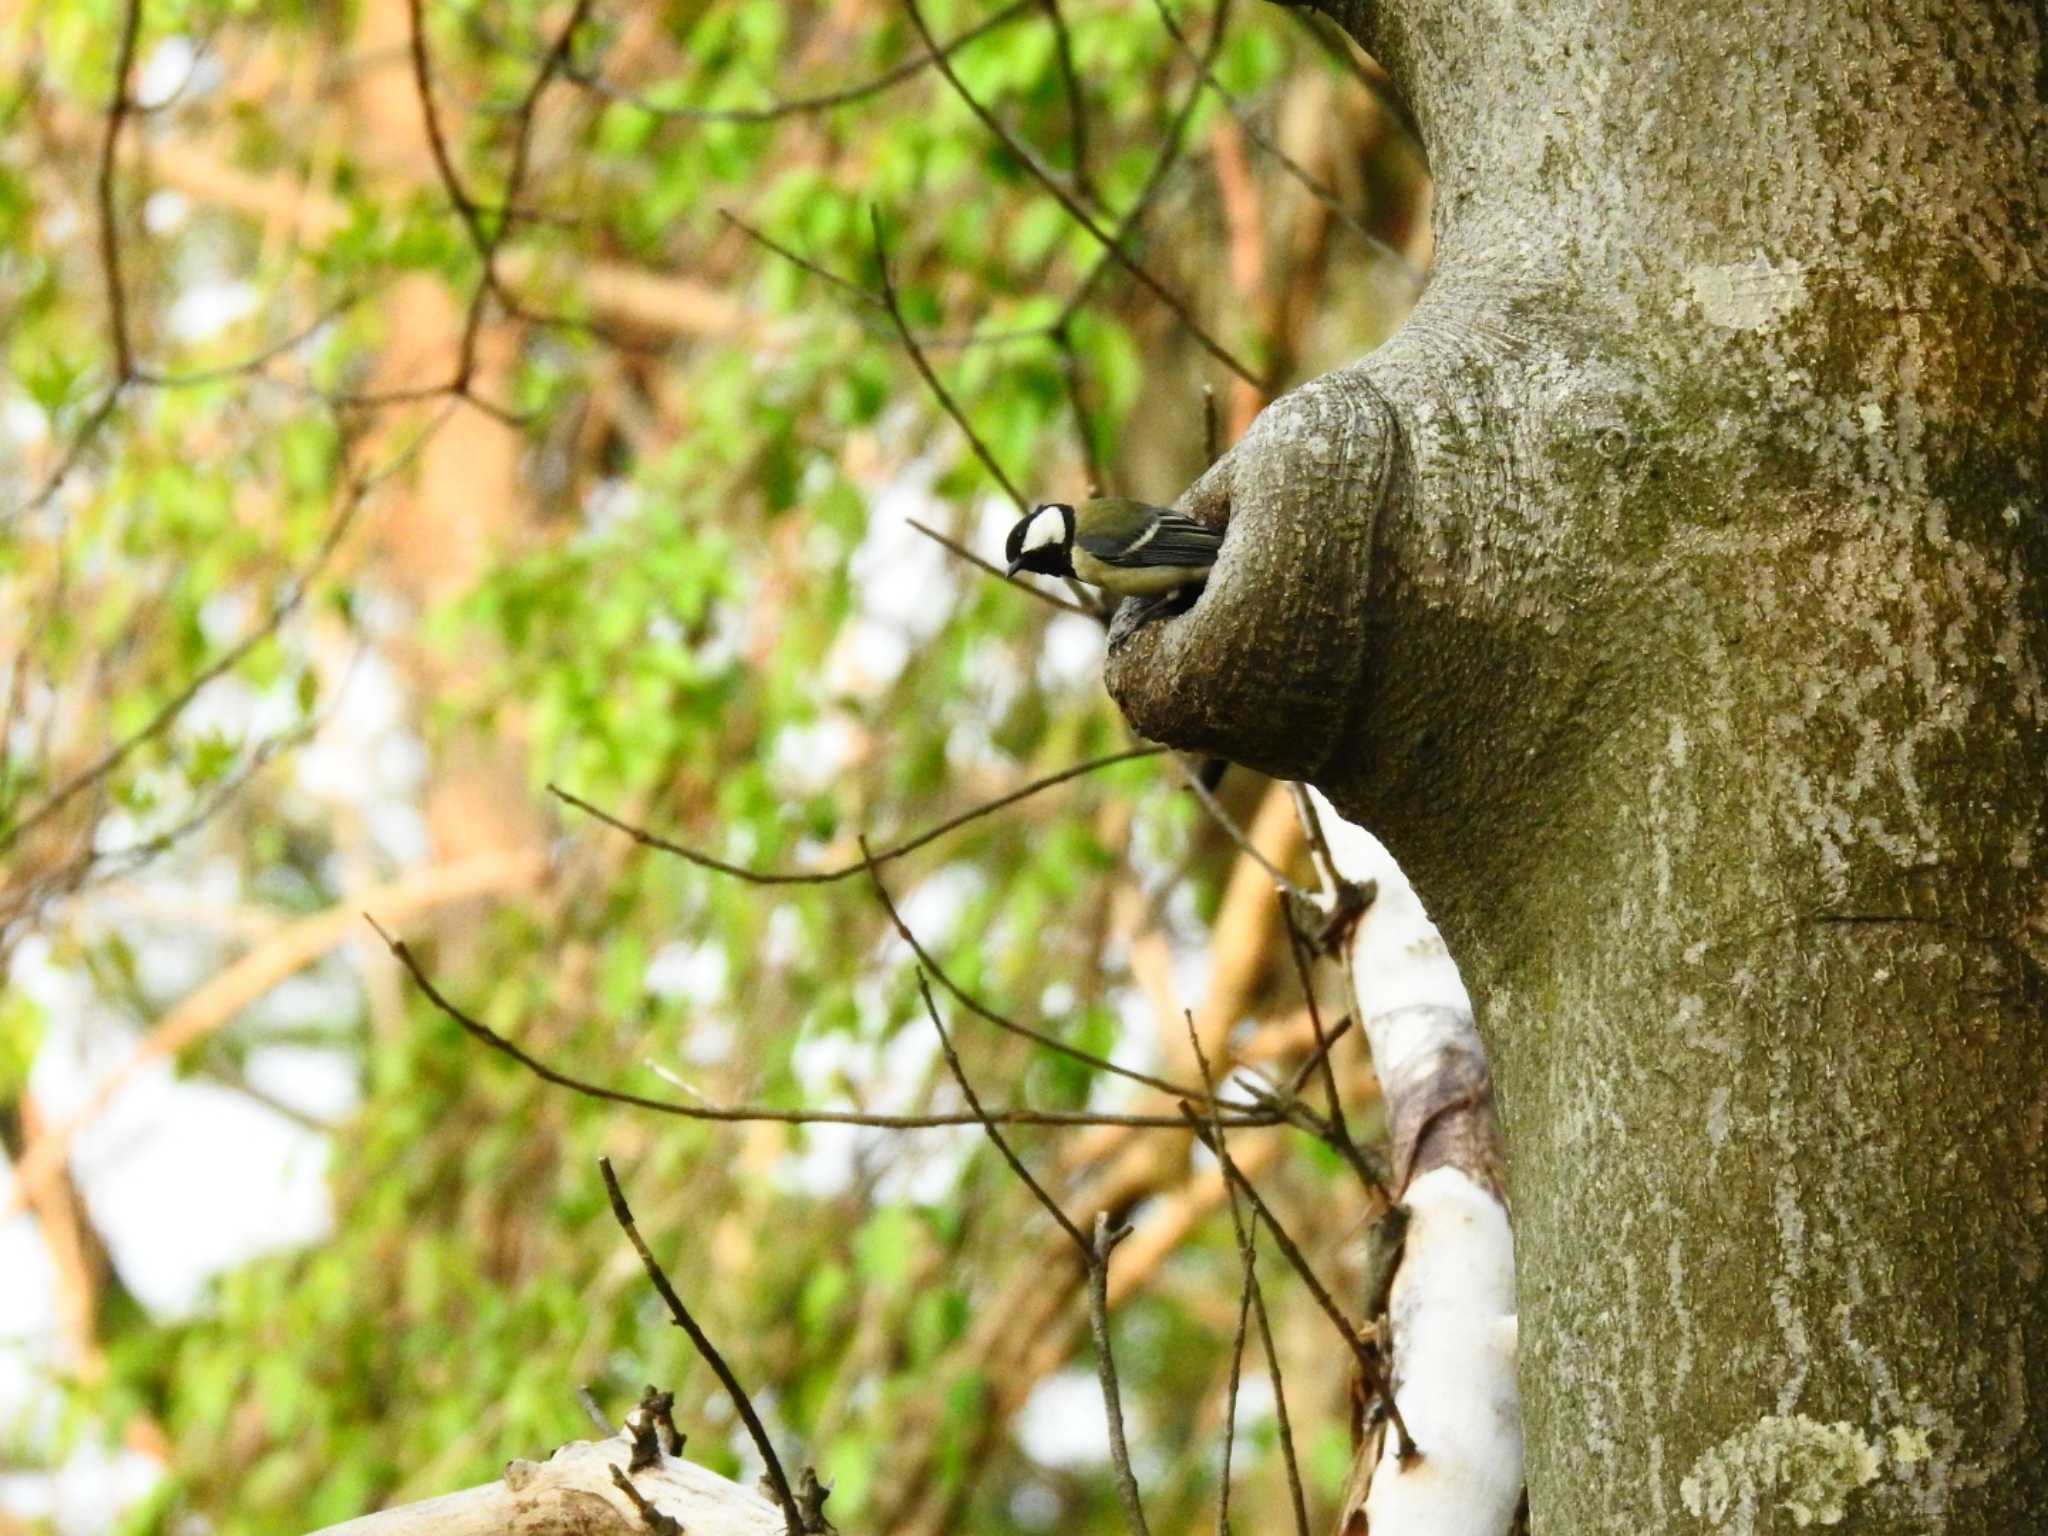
pixel 1172 540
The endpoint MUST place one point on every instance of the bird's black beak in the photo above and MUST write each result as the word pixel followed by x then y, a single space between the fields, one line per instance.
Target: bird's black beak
pixel 1015 567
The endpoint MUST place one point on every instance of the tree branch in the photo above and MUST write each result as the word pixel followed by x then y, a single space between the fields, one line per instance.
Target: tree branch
pixel 573 1493
pixel 750 1113
pixel 1247 1247
pixel 931 379
pixel 792 1519
pixel 1075 211
pixel 867 863
pixel 119 105
pixel 1038 1191
pixel 801 105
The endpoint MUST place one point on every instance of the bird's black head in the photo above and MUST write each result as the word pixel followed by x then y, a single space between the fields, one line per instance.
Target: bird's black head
pixel 1043 541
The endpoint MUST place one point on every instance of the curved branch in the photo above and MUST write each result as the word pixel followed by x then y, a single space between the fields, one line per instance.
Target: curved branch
pixel 119 105
pixel 867 861
pixel 749 1113
pixel 797 106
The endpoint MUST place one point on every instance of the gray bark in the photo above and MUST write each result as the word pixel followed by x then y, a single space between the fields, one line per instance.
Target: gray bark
pixel 1669 595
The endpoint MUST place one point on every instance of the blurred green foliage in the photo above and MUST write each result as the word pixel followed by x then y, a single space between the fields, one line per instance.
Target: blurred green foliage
pixel 704 611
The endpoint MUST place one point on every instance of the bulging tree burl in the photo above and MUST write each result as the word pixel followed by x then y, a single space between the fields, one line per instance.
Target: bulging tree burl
pixel 1669 594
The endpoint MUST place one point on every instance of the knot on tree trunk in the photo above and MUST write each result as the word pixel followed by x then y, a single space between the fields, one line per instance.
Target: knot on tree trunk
pixel 1265 669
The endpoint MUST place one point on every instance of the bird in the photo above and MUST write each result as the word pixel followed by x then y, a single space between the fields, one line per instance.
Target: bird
pixel 1127 548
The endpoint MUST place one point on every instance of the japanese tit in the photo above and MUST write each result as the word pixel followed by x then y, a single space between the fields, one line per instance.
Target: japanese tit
pixel 1130 548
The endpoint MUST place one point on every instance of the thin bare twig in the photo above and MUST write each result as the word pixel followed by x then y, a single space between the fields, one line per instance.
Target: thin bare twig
pixel 1084 431
pixel 1318 847
pixel 803 263
pixel 468 209
pixel 1340 1129
pixel 1343 52
pixel 683 1320
pixel 868 862
pixel 1080 215
pixel 1247 1248
pixel 1244 1308
pixel 1095 1255
pixel 1024 1031
pixel 456 389
pixel 916 346
pixel 1233 831
pixel 1346 1329
pixel 1315 1057
pixel 852 289
pixel 797 106
pixel 1367 1359
pixel 930 376
pixel 1105 1370
pixel 74 452
pixel 552 64
pixel 1276 1377
pixel 753 1113
pixel 655 1521
pixel 1041 593
pixel 1156 179
pixel 255 362
pixel 1016 1163
pixel 1077 105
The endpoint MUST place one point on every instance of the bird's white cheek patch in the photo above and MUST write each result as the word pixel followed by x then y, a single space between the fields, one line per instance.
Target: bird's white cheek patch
pixel 1043 531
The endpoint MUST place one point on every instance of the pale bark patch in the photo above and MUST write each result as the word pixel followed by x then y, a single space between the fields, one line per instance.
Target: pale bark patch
pixel 1749 295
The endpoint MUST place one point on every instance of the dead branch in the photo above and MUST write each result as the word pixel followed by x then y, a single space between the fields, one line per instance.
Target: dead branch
pixel 573 1493
pixel 793 1520
pixel 1451 1294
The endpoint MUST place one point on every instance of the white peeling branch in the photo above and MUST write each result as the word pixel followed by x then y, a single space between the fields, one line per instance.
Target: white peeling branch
pixel 1452 1302
pixel 573 1493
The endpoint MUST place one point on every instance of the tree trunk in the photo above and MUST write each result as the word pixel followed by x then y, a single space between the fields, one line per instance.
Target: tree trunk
pixel 1669 595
